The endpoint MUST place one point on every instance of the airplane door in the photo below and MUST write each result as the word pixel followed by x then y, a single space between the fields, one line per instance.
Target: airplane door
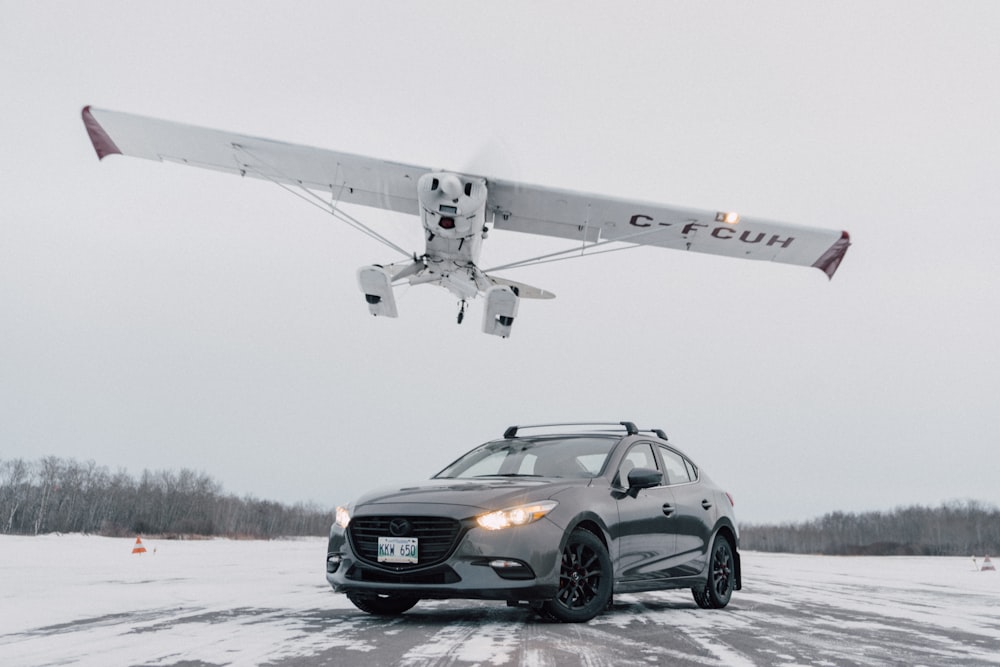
pixel 646 538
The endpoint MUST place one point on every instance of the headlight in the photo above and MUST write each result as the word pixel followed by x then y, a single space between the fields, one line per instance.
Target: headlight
pixel 343 517
pixel 515 516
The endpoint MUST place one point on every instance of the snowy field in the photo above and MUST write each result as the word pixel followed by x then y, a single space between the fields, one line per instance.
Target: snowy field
pixel 81 600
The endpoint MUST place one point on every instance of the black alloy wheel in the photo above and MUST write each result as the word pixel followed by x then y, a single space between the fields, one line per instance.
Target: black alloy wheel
pixel 584 580
pixel 721 577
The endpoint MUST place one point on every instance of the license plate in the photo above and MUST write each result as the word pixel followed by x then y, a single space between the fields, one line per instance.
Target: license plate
pixel 397 550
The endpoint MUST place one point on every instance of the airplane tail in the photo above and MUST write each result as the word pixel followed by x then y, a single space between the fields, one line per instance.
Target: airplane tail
pixel 522 290
pixel 502 296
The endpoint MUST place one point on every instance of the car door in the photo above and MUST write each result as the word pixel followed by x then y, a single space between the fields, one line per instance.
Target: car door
pixel 644 532
pixel 694 516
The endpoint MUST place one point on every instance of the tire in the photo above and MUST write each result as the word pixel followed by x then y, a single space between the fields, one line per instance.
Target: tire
pixel 721 579
pixel 584 580
pixel 701 597
pixel 544 613
pixel 383 604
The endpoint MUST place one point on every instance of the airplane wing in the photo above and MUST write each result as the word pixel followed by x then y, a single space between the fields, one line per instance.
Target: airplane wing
pixel 515 206
pixel 594 218
pixel 351 178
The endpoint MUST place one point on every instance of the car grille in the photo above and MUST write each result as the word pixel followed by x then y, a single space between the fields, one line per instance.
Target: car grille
pixel 437 539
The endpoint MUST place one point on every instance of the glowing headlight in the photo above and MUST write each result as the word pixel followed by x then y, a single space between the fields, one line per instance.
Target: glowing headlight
pixel 515 516
pixel 343 517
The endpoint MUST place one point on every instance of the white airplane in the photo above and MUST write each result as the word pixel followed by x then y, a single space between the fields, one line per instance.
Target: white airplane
pixel 458 210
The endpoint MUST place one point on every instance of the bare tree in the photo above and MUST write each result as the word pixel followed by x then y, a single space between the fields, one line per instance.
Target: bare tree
pixel 953 529
pixel 65 495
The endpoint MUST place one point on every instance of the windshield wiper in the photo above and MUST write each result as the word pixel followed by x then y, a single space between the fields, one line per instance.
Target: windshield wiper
pixel 510 474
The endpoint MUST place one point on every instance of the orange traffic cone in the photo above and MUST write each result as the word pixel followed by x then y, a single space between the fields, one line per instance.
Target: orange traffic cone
pixel 988 565
pixel 138 548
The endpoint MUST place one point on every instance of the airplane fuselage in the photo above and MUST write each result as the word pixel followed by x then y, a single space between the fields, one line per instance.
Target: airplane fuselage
pixel 453 215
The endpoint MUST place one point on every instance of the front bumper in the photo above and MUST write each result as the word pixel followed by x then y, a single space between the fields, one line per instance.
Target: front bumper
pixel 516 563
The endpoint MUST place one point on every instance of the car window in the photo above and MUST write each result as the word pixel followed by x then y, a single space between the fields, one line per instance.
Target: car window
pixel 527 466
pixel 577 456
pixel 639 456
pixel 676 471
pixel 692 470
pixel 488 465
pixel 593 463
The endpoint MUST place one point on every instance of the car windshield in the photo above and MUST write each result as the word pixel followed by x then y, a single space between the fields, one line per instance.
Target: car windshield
pixel 578 456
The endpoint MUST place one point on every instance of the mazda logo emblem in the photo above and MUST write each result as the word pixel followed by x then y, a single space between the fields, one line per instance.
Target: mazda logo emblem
pixel 400 527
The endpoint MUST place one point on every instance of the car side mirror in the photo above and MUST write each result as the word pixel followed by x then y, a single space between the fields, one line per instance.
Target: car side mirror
pixel 643 478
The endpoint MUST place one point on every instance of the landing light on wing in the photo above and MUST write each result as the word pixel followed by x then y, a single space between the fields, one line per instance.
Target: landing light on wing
pixel 728 217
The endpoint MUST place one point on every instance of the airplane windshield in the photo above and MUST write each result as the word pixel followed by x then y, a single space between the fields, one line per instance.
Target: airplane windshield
pixel 583 456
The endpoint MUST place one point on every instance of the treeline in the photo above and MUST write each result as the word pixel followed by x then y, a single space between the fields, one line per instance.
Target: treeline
pixel 960 528
pixel 58 495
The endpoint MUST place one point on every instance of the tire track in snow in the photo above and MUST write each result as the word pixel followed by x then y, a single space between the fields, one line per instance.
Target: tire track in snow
pixel 701 630
pixel 472 641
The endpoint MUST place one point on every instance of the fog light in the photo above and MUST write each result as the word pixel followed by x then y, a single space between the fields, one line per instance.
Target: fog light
pixel 332 563
pixel 511 569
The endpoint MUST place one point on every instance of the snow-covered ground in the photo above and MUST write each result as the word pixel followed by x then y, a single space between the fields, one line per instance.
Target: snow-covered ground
pixel 84 600
pixel 73 599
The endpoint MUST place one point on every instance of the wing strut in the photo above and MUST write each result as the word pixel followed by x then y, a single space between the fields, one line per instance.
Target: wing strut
pixel 584 251
pixel 320 203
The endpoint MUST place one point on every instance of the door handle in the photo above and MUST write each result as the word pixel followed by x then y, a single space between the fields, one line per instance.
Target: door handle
pixel 668 509
pixel 707 505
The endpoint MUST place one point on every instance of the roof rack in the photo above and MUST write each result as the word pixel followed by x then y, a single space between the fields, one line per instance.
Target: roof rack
pixel 630 428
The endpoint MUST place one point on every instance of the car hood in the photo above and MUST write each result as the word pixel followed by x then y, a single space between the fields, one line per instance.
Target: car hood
pixel 486 493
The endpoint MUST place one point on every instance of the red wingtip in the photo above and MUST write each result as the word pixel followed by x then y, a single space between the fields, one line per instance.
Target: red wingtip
pixel 98 137
pixel 830 261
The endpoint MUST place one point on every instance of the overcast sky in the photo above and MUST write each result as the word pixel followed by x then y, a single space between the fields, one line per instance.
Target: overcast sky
pixel 158 316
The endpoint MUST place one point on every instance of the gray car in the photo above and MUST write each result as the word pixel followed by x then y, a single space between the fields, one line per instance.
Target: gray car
pixel 556 520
